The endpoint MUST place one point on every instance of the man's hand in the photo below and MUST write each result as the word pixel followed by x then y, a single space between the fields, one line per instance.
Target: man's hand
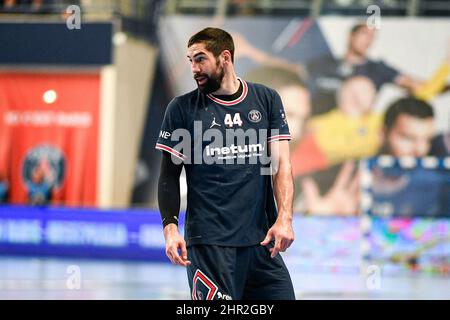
pixel 283 186
pixel 342 199
pixel 175 241
pixel 284 236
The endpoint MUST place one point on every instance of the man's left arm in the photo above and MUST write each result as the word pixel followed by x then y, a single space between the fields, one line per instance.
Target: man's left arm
pixel 388 74
pixel 284 192
pixel 431 87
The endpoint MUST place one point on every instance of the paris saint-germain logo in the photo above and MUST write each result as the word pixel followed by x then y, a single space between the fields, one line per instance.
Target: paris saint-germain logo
pixel 46 160
pixel 254 116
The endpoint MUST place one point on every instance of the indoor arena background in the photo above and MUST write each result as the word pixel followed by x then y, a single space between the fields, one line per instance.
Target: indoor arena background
pixel 83 89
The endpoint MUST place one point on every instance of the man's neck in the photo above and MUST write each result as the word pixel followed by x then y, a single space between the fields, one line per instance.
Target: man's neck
pixel 230 84
pixel 352 57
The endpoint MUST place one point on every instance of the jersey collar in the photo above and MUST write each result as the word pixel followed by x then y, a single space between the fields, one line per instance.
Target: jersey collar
pixel 232 102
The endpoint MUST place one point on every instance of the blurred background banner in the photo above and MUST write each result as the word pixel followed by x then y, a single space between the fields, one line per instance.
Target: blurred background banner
pixel 135 234
pixel 406 187
pixel 82 233
pixel 49 137
pixel 337 109
pixel 416 244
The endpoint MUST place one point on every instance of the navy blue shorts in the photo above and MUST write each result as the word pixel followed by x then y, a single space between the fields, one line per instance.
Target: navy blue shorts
pixel 238 273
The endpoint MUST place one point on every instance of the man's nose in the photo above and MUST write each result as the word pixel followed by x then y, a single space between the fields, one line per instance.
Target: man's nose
pixel 194 68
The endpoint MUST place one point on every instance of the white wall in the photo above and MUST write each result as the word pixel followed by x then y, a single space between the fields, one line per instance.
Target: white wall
pixel 126 87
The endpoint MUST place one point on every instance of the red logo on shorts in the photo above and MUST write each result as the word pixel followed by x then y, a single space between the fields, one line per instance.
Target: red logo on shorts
pixel 212 288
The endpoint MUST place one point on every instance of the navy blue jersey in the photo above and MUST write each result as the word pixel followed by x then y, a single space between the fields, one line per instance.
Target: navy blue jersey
pixel 223 146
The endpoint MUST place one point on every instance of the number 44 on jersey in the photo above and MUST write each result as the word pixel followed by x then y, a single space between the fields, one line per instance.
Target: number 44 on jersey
pixel 229 122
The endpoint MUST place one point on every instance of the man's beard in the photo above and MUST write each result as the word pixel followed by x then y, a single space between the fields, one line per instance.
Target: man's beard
pixel 212 83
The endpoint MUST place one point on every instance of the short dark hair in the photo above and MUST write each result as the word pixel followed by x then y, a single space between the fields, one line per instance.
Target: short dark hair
pixel 411 106
pixel 216 41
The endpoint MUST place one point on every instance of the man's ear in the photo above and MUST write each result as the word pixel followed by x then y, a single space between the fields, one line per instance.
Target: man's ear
pixel 226 56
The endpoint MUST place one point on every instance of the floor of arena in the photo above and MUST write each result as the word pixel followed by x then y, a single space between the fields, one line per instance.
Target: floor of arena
pixel 47 278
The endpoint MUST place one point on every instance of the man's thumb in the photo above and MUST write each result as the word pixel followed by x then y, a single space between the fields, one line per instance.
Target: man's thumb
pixel 267 239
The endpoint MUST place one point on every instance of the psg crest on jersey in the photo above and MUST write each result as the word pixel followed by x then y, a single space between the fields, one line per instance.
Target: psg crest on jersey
pixel 254 116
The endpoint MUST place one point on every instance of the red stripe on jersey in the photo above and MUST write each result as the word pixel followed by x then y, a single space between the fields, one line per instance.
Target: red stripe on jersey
pixel 170 150
pixel 233 102
pixel 279 137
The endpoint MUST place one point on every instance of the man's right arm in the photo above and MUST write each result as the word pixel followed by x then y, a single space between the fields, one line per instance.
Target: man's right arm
pixel 169 207
pixel 169 190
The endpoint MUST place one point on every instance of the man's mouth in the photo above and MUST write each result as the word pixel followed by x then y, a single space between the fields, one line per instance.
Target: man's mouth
pixel 201 80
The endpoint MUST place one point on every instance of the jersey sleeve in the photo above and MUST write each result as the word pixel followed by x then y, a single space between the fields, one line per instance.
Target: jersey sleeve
pixel 386 73
pixel 279 128
pixel 173 120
